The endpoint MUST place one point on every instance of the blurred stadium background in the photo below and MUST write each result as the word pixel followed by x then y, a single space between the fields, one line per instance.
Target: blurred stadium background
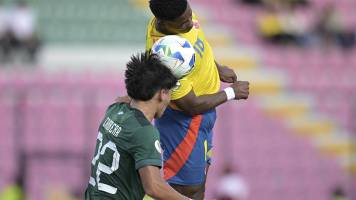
pixel 294 139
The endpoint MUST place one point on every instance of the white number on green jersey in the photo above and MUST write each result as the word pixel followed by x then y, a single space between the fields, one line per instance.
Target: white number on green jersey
pixel 104 168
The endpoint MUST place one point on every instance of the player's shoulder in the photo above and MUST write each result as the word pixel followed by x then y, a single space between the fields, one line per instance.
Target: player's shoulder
pixel 131 121
pixel 147 129
pixel 145 135
pixel 116 110
pixel 124 114
pixel 139 119
pixel 151 24
pixel 115 106
pixel 151 21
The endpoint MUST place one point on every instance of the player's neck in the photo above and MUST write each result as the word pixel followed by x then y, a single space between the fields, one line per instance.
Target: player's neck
pixel 145 107
pixel 159 26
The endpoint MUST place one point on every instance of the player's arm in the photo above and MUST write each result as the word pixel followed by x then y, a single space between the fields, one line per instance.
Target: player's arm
pixel 156 187
pixel 226 74
pixel 195 105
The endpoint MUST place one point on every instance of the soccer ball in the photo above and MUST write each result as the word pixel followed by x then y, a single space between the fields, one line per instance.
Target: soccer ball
pixel 176 53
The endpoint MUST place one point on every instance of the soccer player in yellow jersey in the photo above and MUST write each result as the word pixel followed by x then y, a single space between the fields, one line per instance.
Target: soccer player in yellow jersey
pixel 186 126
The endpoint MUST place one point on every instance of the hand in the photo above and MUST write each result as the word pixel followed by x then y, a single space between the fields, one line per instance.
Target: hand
pixel 227 75
pixel 124 99
pixel 241 89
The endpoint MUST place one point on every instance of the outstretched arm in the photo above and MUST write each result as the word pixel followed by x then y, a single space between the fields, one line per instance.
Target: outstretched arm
pixel 195 105
pixel 156 187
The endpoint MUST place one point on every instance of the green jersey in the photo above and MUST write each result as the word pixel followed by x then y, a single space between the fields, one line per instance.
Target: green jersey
pixel 126 142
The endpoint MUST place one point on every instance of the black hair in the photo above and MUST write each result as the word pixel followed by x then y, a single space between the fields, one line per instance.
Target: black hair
pixel 145 75
pixel 168 9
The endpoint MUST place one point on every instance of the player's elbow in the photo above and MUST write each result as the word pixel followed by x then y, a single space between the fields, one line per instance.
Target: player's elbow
pixel 151 192
pixel 152 189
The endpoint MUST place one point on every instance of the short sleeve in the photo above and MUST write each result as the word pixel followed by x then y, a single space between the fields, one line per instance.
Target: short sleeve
pixel 146 148
pixel 185 86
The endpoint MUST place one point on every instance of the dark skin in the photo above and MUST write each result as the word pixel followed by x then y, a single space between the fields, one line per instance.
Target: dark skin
pixel 191 103
pixel 155 186
pixel 182 24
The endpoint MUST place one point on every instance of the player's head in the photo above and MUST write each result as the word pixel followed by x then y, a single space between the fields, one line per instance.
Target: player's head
pixel 147 79
pixel 174 15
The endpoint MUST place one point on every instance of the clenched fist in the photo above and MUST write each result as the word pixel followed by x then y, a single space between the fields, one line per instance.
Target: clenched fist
pixel 241 89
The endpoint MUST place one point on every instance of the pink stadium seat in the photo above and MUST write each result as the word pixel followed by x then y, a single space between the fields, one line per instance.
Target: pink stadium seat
pixel 62 113
pixel 263 155
pixel 7 139
pixel 47 122
pixel 53 176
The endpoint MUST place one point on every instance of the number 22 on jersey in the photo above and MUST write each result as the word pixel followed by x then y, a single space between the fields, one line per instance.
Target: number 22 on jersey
pixel 102 168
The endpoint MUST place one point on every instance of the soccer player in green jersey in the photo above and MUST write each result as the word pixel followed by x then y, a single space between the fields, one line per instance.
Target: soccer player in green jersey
pixel 127 159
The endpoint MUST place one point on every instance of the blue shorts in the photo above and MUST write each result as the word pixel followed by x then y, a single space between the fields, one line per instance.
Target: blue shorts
pixel 187 143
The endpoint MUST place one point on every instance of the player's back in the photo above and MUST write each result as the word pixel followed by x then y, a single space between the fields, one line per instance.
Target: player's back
pixel 120 151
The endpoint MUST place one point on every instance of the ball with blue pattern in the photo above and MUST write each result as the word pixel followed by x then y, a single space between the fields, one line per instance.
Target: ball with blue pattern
pixel 176 53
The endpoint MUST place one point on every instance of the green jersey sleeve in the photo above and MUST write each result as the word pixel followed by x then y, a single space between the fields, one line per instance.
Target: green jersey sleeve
pixel 146 148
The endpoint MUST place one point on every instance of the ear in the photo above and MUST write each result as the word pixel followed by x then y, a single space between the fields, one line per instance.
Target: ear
pixel 163 94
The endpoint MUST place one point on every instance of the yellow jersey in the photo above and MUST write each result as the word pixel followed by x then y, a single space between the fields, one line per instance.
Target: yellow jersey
pixel 204 78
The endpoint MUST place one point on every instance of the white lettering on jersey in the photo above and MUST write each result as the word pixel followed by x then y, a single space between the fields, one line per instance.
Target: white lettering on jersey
pixel 112 127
